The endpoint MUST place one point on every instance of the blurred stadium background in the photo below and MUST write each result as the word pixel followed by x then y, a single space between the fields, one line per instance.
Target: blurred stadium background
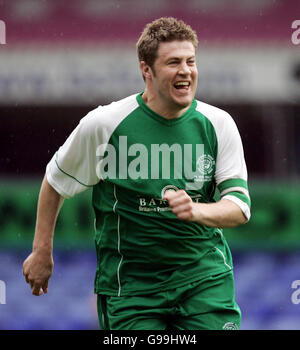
pixel 63 58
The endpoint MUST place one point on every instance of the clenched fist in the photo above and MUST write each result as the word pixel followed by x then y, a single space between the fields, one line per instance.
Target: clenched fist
pixel 181 204
pixel 37 269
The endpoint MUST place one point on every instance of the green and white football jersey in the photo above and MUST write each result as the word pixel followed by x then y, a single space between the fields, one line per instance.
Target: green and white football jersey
pixel 129 155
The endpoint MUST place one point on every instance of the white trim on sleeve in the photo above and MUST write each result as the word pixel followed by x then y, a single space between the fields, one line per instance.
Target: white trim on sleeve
pixel 244 207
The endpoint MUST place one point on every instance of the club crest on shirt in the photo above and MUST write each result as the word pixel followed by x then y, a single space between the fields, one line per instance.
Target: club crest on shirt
pixel 205 164
pixel 205 169
pixel 230 326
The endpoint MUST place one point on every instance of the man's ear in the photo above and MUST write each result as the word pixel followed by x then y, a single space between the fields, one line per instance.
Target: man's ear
pixel 146 70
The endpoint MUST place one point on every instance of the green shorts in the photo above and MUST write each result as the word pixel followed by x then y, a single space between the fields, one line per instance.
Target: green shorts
pixel 207 304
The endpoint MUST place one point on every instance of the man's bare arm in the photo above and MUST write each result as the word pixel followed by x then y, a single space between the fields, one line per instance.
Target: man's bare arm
pixel 38 266
pixel 224 213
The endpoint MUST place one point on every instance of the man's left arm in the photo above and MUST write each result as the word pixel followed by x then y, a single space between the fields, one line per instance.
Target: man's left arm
pixel 224 213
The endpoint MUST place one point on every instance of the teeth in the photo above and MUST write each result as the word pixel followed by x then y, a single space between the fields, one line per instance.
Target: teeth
pixel 183 83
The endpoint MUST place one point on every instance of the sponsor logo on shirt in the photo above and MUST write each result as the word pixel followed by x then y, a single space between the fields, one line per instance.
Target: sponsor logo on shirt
pixel 159 204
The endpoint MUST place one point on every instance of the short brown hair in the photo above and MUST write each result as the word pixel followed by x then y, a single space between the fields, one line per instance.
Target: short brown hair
pixel 164 29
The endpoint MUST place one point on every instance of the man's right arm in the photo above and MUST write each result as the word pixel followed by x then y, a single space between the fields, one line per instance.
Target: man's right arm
pixel 38 266
pixel 72 169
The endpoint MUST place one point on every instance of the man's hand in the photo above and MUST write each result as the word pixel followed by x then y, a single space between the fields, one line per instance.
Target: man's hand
pixel 37 269
pixel 181 204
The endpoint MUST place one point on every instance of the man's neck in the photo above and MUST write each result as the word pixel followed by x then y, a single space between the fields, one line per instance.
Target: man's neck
pixel 168 112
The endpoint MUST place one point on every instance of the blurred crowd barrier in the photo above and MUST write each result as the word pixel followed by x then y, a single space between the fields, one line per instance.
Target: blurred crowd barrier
pixel 92 74
pixel 274 224
pixel 122 20
pixel 83 52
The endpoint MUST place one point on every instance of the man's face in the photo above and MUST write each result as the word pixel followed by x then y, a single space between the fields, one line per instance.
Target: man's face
pixel 174 74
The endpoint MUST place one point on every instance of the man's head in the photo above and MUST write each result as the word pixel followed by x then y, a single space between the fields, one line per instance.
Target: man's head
pixel 165 29
pixel 166 51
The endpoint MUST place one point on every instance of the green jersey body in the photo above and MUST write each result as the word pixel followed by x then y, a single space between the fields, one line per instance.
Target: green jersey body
pixel 130 156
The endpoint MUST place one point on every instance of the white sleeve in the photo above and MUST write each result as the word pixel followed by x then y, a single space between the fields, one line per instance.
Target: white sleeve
pixel 230 159
pixel 75 166
pixel 72 169
pixel 231 171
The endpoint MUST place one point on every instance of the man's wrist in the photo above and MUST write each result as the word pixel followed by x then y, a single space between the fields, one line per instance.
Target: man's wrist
pixel 43 248
pixel 198 213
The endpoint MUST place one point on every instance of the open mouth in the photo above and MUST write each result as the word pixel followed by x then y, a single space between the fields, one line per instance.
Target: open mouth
pixel 182 85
